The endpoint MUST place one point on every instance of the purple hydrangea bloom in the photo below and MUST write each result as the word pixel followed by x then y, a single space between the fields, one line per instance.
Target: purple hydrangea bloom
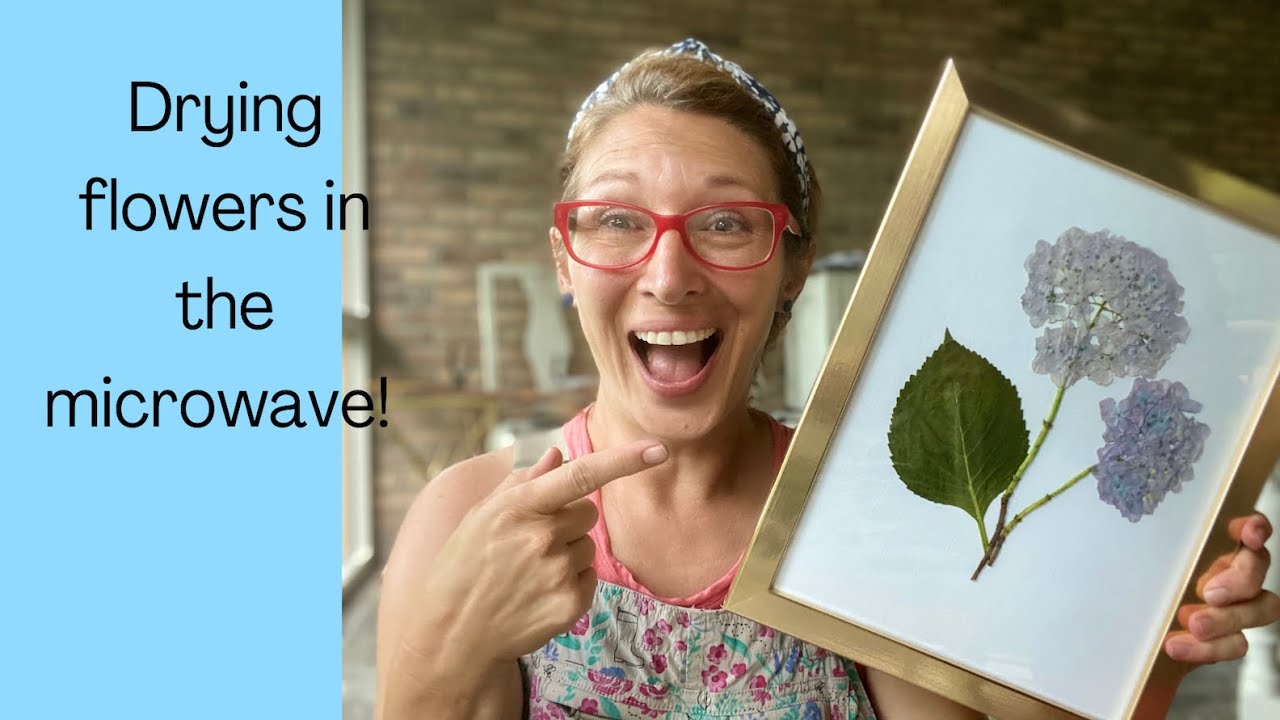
pixel 1150 443
pixel 1110 308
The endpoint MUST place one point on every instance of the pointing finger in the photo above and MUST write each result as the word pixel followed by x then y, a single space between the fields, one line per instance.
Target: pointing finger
pixel 585 475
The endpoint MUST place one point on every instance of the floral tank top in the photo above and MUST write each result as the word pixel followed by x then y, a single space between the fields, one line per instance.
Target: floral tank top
pixel 635 656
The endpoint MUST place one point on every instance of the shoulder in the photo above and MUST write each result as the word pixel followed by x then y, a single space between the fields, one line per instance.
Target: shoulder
pixel 769 418
pixel 778 431
pixel 783 431
pixel 443 502
pixel 464 484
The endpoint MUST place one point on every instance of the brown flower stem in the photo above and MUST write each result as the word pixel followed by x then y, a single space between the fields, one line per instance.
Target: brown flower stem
pixel 998 531
pixel 1002 533
pixel 996 541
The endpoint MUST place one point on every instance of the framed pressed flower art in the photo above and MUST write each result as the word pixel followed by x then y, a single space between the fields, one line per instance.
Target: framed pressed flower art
pixel 1055 382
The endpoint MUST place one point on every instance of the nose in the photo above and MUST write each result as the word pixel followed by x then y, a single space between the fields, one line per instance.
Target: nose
pixel 672 273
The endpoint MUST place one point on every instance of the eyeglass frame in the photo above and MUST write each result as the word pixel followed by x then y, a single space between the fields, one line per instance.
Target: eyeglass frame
pixel 664 223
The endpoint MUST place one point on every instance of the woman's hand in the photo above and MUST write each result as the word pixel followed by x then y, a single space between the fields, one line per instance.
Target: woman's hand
pixel 489 564
pixel 1233 599
pixel 518 569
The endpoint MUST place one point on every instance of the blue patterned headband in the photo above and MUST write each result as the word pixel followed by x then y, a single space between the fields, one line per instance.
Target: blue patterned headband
pixel 790 135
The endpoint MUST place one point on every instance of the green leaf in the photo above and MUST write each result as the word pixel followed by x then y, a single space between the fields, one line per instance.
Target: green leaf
pixel 568 641
pixel 957 433
pixel 607 707
pixel 737 645
pixel 599 634
pixel 600 618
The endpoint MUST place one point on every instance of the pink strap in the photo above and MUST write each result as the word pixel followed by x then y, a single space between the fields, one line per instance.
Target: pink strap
pixel 607 566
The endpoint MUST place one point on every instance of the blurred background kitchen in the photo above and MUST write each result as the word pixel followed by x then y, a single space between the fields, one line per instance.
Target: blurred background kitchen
pixel 455 114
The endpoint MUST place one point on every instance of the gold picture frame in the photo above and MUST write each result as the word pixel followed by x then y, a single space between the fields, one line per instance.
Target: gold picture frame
pixel 964 101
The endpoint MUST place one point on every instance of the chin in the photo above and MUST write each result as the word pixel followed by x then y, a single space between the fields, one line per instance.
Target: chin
pixel 686 422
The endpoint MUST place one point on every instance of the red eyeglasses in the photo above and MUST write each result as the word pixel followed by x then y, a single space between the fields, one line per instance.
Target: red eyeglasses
pixel 726 236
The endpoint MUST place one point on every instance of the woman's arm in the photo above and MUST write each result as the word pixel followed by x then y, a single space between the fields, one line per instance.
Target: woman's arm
pixel 443 681
pixel 896 699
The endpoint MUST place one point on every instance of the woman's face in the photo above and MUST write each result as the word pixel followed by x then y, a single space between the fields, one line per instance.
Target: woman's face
pixel 671 162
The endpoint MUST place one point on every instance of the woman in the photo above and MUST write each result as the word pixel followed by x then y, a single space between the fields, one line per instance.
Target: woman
pixel 592 587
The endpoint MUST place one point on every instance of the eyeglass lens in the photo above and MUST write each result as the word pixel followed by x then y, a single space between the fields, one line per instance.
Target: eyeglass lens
pixel 609 235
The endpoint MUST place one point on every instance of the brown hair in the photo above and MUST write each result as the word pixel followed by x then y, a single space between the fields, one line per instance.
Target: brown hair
pixel 683 82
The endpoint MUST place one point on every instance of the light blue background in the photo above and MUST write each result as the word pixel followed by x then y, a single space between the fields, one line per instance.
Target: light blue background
pixel 165 572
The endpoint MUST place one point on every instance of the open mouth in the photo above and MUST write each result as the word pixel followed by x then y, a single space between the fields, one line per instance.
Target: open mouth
pixel 675 357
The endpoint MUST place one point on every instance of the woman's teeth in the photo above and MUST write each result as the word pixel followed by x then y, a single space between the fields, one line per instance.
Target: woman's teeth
pixel 677 337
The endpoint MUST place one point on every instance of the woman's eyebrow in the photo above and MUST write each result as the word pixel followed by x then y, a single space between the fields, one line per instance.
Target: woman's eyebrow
pixel 727 180
pixel 627 176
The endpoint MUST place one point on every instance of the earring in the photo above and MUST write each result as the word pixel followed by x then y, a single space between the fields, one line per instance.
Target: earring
pixel 566 299
pixel 786 308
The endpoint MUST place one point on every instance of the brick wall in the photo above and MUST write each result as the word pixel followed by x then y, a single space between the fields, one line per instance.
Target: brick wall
pixel 468 103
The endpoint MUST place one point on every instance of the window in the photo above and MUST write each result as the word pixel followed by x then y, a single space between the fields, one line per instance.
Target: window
pixel 357 365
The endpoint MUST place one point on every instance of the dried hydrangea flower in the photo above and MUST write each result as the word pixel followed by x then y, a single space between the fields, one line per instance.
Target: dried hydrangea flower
pixel 1110 308
pixel 1150 443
